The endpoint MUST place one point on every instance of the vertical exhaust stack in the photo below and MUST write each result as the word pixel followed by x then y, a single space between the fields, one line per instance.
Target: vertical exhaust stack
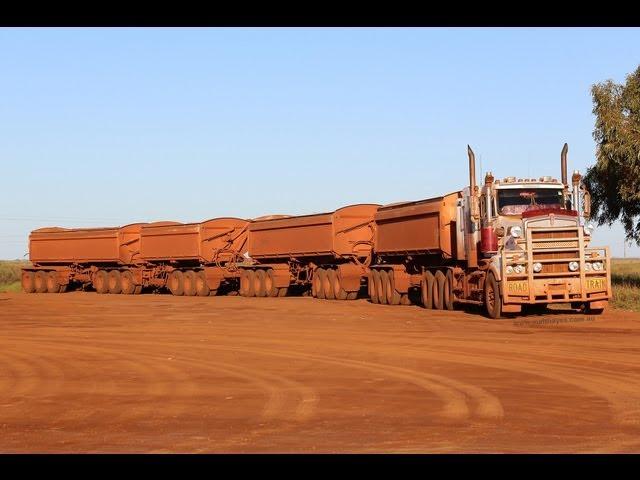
pixel 563 173
pixel 474 212
pixel 563 164
pixel 473 188
pixel 472 169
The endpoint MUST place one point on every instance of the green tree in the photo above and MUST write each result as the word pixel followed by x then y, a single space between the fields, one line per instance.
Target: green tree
pixel 614 181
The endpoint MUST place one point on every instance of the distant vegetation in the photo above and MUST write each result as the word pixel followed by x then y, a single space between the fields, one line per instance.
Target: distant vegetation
pixel 10 275
pixel 625 278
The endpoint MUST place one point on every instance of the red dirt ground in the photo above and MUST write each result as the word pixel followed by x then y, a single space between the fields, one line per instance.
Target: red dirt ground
pixel 82 372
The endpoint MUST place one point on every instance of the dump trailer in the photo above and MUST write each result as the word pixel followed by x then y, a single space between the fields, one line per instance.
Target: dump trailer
pixel 511 244
pixel 194 258
pixel 327 253
pixel 62 257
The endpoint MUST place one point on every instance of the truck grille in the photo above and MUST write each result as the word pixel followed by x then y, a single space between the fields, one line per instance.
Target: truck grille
pixel 566 240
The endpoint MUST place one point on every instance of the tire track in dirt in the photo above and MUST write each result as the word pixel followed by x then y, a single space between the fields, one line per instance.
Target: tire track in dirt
pixel 452 393
pixel 32 374
pixel 278 388
pixel 620 392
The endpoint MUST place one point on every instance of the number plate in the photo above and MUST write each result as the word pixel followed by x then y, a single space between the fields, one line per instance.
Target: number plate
pixel 518 288
pixel 596 284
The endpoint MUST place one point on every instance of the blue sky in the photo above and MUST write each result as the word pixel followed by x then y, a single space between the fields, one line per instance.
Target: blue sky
pixel 108 126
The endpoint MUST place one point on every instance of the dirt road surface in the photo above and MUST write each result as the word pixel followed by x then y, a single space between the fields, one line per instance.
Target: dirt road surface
pixel 82 372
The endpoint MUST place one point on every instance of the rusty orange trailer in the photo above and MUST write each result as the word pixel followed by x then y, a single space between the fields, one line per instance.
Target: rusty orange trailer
pixel 195 258
pixel 189 259
pixel 86 256
pixel 327 253
pixel 414 241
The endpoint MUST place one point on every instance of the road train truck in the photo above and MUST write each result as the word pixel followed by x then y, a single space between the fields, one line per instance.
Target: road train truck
pixel 508 244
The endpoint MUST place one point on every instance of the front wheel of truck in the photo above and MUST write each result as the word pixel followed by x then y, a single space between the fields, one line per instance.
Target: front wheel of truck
pixel 492 300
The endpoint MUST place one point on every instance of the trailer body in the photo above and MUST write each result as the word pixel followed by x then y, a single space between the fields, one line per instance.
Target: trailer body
pixel 110 246
pixel 292 250
pixel 217 240
pixel 422 227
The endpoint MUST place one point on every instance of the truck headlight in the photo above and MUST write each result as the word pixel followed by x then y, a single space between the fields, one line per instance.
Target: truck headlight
pixel 519 269
pixel 588 228
pixel 516 231
pixel 537 267
pixel 573 266
pixel 587 267
pixel 597 266
pixel 509 269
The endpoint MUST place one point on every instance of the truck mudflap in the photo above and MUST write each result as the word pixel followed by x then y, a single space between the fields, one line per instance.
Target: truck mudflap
pixel 554 249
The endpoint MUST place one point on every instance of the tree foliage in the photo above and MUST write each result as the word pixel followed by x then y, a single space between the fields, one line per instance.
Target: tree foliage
pixel 614 181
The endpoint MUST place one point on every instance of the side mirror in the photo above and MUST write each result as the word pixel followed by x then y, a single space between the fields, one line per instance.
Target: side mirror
pixel 586 205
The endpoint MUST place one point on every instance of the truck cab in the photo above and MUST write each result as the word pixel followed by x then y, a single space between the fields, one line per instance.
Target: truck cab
pixel 533 237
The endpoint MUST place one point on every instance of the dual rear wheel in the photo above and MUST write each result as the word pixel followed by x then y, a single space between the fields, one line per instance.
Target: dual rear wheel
pixel 115 282
pixel 436 290
pixel 327 284
pixel 260 283
pixel 382 288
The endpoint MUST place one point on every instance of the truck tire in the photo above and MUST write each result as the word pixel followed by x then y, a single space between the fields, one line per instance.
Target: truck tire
pixel 270 282
pixel 447 293
pixel 259 283
pixel 28 282
pixel 100 282
pixel 53 286
pixel 40 281
pixel 175 282
pixel 127 283
pixel 492 300
pixel 189 283
pixel 244 282
pixel 341 293
pixel 438 290
pixel 251 284
pixel 352 295
pixel 393 296
pixel 114 282
pixel 314 283
pixel 202 287
pixel 426 290
pixel 329 292
pixel 320 272
pixel 283 291
pixel 404 299
pixel 373 286
pixel 382 287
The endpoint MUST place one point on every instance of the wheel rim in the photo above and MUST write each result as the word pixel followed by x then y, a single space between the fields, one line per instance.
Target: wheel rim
pixel 115 282
pixel 268 284
pixel 127 283
pixel 52 283
pixel 320 289
pixel 328 285
pixel 27 282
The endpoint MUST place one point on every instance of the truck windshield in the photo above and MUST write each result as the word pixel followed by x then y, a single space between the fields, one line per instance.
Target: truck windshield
pixel 518 200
